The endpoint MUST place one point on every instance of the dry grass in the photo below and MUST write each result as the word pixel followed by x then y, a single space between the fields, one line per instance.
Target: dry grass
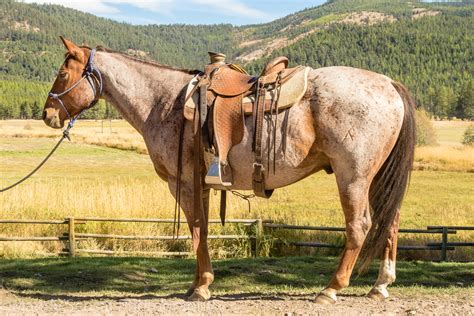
pixel 445 158
pixel 450 155
pixel 87 180
pixel 114 134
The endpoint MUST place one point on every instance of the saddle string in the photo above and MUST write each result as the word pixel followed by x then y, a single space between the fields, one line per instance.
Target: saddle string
pixel 243 196
pixel 284 131
pixel 278 89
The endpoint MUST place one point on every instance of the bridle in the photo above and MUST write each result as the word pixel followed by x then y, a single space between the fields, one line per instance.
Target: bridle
pixel 91 74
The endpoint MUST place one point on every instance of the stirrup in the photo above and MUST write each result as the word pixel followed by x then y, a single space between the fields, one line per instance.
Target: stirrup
pixel 219 173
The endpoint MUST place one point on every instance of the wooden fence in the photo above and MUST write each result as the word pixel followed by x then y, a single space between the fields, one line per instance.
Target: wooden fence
pixel 71 237
pixel 443 245
pixel 260 229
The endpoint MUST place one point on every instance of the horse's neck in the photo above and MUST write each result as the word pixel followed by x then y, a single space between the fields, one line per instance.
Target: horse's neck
pixel 136 88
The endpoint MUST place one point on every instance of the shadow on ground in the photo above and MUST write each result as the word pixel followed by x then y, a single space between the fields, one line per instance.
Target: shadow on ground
pixel 88 278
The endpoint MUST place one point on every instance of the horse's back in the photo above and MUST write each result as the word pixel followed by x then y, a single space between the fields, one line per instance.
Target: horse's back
pixel 359 113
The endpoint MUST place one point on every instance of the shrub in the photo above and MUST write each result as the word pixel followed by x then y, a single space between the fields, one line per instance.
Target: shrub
pixel 425 132
pixel 468 137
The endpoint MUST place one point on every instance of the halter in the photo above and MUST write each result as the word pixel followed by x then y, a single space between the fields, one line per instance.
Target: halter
pixel 90 73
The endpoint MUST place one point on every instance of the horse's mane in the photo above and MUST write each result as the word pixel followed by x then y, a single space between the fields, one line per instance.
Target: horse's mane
pixel 147 62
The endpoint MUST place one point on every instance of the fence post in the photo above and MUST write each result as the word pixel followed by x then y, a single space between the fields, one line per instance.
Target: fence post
pixel 258 236
pixel 444 244
pixel 72 237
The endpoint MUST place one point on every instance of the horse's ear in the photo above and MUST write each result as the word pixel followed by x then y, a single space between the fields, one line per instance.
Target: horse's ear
pixel 74 50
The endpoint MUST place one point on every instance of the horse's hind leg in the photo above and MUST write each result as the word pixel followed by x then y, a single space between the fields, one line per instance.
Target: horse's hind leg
pixel 387 263
pixel 353 192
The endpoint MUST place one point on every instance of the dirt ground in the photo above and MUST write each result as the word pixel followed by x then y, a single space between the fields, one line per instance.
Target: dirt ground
pixel 41 304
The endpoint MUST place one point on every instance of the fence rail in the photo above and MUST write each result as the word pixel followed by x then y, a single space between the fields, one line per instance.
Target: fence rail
pixel 444 245
pixel 71 237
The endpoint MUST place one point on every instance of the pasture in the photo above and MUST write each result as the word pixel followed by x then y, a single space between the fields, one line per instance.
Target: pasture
pixel 104 172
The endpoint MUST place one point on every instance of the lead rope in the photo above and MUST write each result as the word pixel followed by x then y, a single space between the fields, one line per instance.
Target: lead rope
pixel 65 135
pixel 89 71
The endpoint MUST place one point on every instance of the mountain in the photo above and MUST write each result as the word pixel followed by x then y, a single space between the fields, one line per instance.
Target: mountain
pixel 428 46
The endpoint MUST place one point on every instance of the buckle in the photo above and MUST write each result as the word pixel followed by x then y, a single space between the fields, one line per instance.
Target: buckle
pixel 258 170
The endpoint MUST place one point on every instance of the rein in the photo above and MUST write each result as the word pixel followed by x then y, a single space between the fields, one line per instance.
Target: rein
pixel 90 73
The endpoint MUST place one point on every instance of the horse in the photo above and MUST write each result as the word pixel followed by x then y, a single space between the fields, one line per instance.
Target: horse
pixel 354 123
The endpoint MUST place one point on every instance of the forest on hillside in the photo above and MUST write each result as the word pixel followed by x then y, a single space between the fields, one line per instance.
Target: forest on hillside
pixel 433 56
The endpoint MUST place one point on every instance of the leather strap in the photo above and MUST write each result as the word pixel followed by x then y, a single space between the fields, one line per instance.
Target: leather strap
pixel 199 225
pixel 258 176
pixel 223 206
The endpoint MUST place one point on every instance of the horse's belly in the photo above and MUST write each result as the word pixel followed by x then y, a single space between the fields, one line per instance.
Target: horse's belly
pixel 285 160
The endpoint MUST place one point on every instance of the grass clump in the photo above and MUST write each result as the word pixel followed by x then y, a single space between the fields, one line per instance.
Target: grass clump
pixel 425 132
pixel 468 137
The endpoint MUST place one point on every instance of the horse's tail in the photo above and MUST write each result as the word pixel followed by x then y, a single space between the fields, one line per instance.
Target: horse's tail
pixel 389 185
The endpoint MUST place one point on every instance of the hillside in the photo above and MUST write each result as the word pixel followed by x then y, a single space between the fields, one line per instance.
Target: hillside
pixel 426 46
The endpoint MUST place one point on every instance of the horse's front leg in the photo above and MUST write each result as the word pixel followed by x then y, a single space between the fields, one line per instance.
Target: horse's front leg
pixel 204 275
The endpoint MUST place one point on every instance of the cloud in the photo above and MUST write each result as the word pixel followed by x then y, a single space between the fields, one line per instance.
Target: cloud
pixel 233 8
pixel 108 6
pixel 91 6
pixel 112 9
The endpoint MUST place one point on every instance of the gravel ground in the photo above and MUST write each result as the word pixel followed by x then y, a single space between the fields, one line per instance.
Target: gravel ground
pixel 20 304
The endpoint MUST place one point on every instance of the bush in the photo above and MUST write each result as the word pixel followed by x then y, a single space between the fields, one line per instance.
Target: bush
pixel 468 137
pixel 425 132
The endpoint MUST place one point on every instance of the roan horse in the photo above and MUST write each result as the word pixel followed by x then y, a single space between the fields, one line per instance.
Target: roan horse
pixel 355 123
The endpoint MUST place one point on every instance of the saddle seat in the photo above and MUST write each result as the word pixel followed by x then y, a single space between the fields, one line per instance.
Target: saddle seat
pixel 231 95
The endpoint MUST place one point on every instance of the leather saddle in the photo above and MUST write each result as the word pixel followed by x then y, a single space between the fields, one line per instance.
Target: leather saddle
pixel 230 95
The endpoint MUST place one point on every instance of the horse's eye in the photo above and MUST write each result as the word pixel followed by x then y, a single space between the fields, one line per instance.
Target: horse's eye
pixel 63 74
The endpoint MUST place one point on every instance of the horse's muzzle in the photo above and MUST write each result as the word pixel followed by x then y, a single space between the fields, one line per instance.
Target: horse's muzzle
pixel 51 118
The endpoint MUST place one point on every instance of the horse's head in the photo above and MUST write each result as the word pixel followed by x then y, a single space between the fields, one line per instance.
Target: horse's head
pixel 76 87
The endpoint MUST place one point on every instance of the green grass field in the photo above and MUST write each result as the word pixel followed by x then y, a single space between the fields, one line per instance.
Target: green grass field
pixel 96 276
pixel 89 180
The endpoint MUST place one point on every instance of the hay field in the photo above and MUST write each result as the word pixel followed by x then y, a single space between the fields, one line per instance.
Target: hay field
pixel 83 179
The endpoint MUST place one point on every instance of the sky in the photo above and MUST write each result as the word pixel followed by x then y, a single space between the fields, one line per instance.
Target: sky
pixel 237 12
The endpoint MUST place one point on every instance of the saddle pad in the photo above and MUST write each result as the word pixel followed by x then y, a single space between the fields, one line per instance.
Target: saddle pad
pixel 290 94
pixel 191 100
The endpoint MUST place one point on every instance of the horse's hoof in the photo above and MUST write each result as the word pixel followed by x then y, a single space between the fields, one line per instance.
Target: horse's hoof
pixel 199 295
pixel 377 295
pixel 189 292
pixel 324 299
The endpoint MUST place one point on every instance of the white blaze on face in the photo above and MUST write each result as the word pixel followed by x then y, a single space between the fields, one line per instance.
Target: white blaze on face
pixel 386 276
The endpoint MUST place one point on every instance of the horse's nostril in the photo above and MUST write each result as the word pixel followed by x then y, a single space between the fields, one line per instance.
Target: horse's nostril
pixel 44 115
